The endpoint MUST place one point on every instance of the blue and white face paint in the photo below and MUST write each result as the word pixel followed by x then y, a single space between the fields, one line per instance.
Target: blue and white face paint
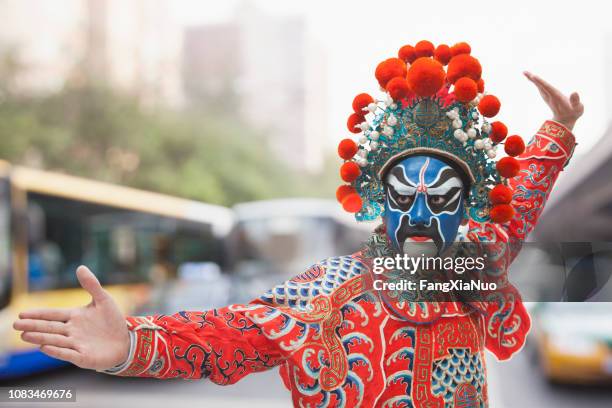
pixel 424 203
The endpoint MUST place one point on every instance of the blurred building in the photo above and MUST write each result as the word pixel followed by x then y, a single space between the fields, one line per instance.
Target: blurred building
pixel 40 43
pixel 268 69
pixel 134 46
pixel 212 65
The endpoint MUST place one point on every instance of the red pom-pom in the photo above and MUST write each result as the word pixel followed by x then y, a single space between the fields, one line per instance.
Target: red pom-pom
pixel 489 106
pixel 463 65
pixel 499 131
pixel 508 167
pixel 500 194
pixel 461 48
pixel 443 54
pixel 349 171
pixel 424 49
pixel 388 69
pixel 361 102
pixel 352 203
pixel 480 84
pixel 465 89
pixel 514 145
pixel 425 76
pixel 501 213
pixel 343 191
pixel 407 53
pixel 353 121
pixel 347 148
pixel 398 88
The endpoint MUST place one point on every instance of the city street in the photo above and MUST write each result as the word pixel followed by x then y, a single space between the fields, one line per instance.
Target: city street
pixel 517 384
pixel 94 390
pixel 344 187
pixel 514 384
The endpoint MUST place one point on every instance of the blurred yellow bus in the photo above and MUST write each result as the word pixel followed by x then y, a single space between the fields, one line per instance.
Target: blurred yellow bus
pixel 50 223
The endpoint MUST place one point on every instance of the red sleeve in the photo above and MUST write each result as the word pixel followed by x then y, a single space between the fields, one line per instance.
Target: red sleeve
pixel 507 323
pixel 544 158
pixel 506 320
pixel 223 344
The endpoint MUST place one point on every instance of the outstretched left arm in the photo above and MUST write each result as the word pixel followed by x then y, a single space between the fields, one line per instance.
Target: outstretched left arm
pixel 507 321
pixel 545 156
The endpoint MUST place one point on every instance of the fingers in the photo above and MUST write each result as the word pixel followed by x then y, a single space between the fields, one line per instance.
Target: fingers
pixel 577 105
pixel 539 81
pixel 544 86
pixel 543 92
pixel 47 339
pixel 533 78
pixel 60 315
pixel 65 354
pixel 41 326
pixel 90 283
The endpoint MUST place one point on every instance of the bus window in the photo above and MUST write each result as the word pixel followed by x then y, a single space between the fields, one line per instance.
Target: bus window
pixel 193 243
pixel 121 246
pixel 5 243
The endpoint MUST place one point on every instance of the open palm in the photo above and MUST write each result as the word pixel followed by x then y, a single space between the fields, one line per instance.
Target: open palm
pixel 94 336
pixel 566 110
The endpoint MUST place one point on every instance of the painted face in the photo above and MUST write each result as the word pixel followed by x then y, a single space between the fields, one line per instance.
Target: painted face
pixel 424 203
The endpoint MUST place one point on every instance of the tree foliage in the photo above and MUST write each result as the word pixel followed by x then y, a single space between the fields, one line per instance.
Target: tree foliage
pixel 95 132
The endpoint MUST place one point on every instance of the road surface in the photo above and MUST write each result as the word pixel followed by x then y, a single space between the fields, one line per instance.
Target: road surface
pixel 514 384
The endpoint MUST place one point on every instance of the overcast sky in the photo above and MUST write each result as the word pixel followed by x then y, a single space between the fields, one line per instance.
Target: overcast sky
pixel 564 42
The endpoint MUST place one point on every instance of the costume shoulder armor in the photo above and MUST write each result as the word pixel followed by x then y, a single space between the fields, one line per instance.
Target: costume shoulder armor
pixel 321 278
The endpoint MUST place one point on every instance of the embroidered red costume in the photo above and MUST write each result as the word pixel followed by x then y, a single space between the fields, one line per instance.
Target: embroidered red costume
pixel 337 345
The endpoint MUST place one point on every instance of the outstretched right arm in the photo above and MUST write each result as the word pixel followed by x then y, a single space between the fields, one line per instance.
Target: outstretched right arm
pixel 221 344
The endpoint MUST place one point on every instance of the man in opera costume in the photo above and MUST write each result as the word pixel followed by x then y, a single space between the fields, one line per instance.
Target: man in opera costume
pixel 425 165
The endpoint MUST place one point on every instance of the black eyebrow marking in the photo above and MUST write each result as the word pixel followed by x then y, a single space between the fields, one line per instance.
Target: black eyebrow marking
pixel 398 172
pixel 447 174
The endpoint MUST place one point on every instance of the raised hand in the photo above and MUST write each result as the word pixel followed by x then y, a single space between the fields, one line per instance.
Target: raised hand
pixel 566 110
pixel 93 336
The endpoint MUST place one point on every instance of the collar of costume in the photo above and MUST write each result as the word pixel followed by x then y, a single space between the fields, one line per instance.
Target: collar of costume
pixel 429 109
